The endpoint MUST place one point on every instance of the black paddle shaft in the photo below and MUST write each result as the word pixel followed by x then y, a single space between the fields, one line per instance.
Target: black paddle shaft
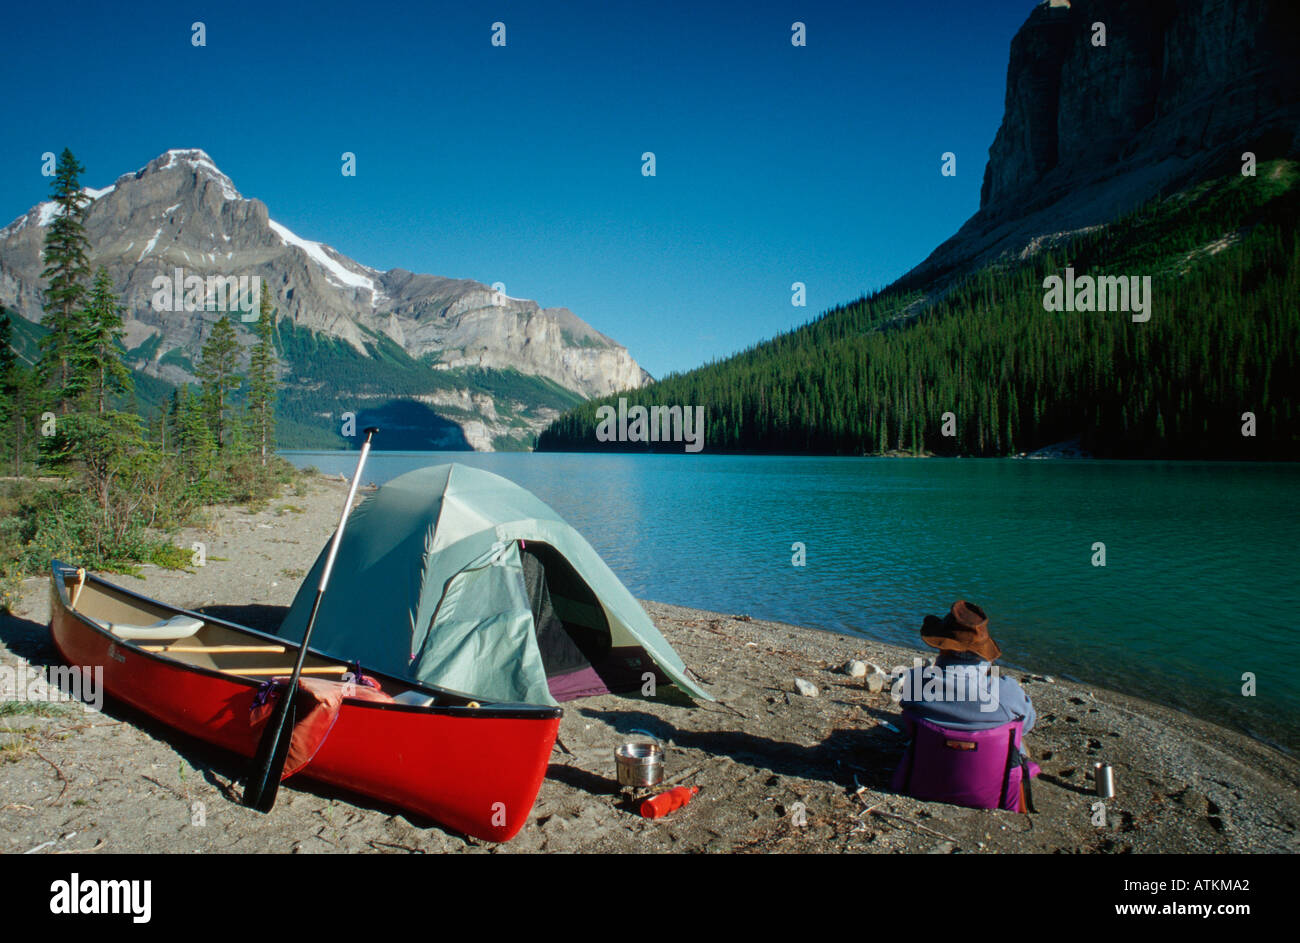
pixel 273 749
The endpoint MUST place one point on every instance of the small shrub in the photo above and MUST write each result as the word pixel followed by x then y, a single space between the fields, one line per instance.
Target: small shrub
pixel 166 554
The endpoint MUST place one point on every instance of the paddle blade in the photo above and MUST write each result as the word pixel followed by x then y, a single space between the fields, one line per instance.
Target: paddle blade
pixel 272 751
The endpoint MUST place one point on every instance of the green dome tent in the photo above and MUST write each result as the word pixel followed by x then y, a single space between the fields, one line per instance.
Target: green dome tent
pixel 459 578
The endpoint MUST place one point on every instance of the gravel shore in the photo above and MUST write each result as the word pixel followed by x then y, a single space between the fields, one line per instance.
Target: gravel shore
pixel 777 771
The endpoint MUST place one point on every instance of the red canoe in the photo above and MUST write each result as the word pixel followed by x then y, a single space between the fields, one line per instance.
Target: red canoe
pixel 475 768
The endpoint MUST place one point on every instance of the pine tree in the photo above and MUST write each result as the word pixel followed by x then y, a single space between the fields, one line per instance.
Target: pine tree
pixel 15 397
pixel 66 268
pixel 103 448
pixel 218 369
pixel 195 444
pixel 96 351
pixel 172 420
pixel 8 369
pixel 262 382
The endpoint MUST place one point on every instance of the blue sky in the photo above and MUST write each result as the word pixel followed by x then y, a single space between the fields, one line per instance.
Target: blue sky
pixel 522 164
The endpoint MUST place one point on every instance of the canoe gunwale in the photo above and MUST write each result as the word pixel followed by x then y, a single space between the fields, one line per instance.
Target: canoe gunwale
pixel 59 572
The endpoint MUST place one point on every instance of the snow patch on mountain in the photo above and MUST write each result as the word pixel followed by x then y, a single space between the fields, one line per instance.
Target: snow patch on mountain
pixel 316 251
pixel 48 211
pixel 152 242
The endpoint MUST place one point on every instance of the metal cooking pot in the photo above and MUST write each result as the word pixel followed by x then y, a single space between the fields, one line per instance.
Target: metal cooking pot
pixel 639 763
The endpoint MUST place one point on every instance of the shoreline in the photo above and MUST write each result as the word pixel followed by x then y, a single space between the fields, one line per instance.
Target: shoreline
pixel 1141 705
pixel 1026 601
pixel 1017 671
pixel 765 759
pixel 893 453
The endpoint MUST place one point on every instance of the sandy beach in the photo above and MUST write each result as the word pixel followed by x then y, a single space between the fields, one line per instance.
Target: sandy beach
pixel 777 771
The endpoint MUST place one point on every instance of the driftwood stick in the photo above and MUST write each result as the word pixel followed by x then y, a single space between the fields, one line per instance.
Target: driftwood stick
pixel 906 821
pixel 684 774
pixel 733 710
pixel 161 785
pixel 81 851
pixel 376 843
pixel 62 778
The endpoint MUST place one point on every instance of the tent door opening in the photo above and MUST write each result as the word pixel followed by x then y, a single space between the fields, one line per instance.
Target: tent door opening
pixel 573 634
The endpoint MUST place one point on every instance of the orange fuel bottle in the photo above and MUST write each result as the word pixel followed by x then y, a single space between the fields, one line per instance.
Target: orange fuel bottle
pixel 666 802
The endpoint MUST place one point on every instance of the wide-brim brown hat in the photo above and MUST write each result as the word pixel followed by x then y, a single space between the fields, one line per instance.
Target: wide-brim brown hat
pixel 964 629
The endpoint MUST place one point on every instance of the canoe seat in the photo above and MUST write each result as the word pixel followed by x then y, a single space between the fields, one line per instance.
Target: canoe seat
pixel 168 630
pixel 417 698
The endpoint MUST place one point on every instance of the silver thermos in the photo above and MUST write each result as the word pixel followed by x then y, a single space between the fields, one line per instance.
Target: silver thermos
pixel 1103 780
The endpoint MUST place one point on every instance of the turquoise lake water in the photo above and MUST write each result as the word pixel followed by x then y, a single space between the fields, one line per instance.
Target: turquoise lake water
pixel 1200 586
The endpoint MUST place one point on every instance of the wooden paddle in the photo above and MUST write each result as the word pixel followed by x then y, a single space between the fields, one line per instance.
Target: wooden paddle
pixel 268 765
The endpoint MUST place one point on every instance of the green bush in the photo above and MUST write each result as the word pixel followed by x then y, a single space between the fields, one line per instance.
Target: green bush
pixel 169 556
pixel 69 525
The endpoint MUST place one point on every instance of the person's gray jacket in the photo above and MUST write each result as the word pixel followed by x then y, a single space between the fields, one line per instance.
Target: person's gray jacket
pixel 959 692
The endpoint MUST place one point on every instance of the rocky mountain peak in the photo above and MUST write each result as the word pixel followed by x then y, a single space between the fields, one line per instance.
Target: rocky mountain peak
pixel 180 212
pixel 181 163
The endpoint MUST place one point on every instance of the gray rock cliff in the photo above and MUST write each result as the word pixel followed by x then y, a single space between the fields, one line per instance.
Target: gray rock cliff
pixel 1179 91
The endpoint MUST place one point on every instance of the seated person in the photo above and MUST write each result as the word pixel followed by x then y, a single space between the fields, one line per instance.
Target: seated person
pixel 961 692
pixel 955 710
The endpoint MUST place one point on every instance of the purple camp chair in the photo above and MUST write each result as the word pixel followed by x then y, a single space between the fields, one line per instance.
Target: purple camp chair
pixel 983 769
